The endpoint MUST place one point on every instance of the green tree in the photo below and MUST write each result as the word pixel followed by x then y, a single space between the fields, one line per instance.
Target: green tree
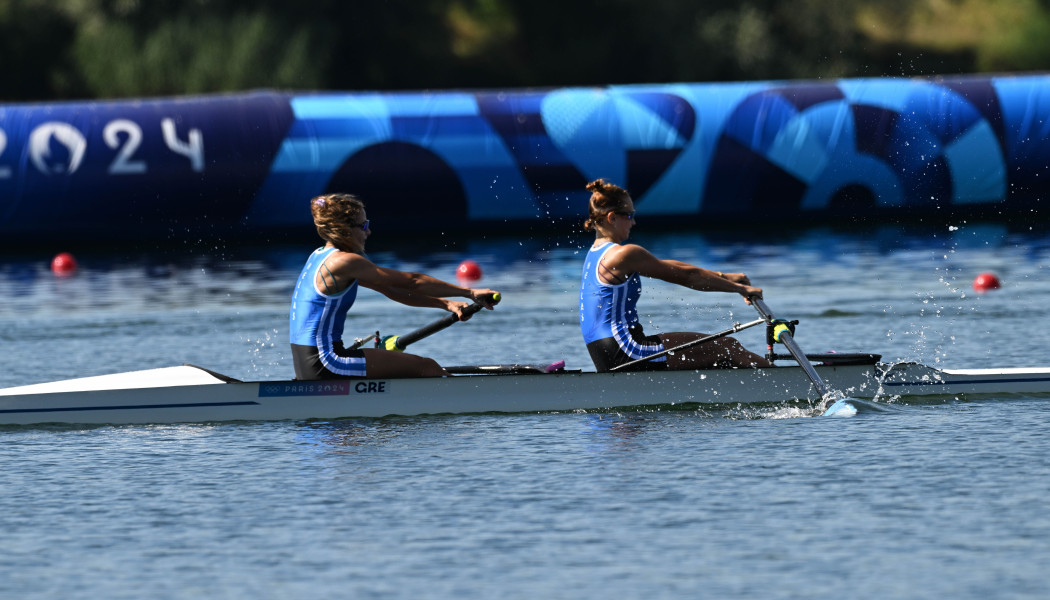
pixel 34 49
pixel 54 49
pixel 196 54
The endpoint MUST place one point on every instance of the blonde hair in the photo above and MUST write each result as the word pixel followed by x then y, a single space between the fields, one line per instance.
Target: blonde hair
pixel 334 216
pixel 605 198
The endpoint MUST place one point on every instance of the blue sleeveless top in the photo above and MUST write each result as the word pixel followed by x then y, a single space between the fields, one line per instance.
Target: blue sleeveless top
pixel 316 318
pixel 608 310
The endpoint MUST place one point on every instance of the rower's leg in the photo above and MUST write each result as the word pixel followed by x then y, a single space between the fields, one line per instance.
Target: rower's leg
pixel 384 363
pixel 709 355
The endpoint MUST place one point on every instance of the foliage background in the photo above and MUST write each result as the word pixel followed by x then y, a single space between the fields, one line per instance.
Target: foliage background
pixel 67 49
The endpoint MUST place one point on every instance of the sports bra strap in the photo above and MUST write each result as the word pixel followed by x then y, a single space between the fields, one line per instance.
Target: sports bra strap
pixel 607 273
pixel 324 279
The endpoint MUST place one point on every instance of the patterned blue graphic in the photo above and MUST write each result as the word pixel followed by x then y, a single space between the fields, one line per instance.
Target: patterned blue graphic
pixel 245 164
pixel 855 148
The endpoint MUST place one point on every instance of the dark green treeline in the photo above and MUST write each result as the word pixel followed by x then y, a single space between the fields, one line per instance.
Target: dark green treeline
pixel 68 49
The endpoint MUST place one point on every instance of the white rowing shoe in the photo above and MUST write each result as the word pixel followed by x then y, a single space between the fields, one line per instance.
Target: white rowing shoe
pixel 189 394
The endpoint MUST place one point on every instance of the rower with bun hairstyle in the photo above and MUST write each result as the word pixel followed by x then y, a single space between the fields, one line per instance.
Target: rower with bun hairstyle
pixel 611 286
pixel 327 288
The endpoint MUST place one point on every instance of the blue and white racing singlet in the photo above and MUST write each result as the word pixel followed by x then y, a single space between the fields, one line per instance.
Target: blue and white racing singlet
pixel 609 310
pixel 316 319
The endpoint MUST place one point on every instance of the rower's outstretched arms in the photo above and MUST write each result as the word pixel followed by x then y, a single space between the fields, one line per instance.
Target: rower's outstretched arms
pixel 632 258
pixel 411 289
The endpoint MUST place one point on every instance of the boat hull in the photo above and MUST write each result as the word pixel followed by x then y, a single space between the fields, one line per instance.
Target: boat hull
pixel 188 394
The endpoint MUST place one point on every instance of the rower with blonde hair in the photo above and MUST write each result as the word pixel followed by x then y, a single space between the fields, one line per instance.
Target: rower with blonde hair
pixel 327 288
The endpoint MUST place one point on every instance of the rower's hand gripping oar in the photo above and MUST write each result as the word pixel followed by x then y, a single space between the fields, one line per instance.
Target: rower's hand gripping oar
pixel 782 331
pixel 398 343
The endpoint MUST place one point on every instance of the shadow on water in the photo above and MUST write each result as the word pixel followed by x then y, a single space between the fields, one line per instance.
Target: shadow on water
pixel 350 435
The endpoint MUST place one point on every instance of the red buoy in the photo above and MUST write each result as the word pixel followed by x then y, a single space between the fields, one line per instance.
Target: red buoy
pixel 986 281
pixel 469 271
pixel 63 264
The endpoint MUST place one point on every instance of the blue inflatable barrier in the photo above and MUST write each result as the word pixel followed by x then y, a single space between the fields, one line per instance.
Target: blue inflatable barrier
pixel 246 164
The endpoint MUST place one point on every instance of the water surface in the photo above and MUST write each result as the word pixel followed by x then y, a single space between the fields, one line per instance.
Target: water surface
pixel 933 499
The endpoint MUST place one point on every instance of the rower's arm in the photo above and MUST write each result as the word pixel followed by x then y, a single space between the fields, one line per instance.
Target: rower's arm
pixel 408 298
pixel 412 289
pixel 636 259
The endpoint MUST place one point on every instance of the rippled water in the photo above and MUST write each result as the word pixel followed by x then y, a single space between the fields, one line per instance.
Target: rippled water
pixel 936 499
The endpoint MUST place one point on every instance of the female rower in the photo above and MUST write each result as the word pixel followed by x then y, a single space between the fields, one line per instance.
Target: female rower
pixel 612 284
pixel 327 288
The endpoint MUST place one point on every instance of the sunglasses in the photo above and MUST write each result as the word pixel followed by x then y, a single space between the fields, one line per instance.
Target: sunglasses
pixel 364 226
pixel 629 215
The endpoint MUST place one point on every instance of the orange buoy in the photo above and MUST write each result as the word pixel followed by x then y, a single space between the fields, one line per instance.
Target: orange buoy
pixel 468 271
pixel 63 264
pixel 985 282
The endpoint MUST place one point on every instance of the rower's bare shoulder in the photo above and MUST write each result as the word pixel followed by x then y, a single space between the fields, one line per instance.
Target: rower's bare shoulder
pixel 340 267
pixel 633 249
pixel 632 253
pixel 620 252
pixel 348 260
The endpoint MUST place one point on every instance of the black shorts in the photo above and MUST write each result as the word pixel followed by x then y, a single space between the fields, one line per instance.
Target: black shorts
pixel 606 353
pixel 308 365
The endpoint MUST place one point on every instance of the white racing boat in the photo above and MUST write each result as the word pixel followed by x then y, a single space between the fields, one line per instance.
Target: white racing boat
pixel 189 394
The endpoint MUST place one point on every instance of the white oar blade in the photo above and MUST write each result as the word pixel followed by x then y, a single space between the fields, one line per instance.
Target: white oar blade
pixel 841 408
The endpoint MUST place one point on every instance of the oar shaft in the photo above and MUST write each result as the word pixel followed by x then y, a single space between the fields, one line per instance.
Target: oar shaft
pixel 427 330
pixel 789 343
pixel 763 310
pixel 402 341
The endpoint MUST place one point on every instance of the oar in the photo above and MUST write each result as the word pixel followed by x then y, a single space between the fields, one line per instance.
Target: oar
pixel 785 338
pixel 398 343
pixel 707 338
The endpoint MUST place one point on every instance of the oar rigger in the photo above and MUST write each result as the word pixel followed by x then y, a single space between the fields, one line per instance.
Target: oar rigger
pixel 774 327
pixel 781 331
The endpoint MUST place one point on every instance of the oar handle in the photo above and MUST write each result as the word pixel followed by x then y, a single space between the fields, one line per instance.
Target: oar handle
pixel 789 343
pixel 402 341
